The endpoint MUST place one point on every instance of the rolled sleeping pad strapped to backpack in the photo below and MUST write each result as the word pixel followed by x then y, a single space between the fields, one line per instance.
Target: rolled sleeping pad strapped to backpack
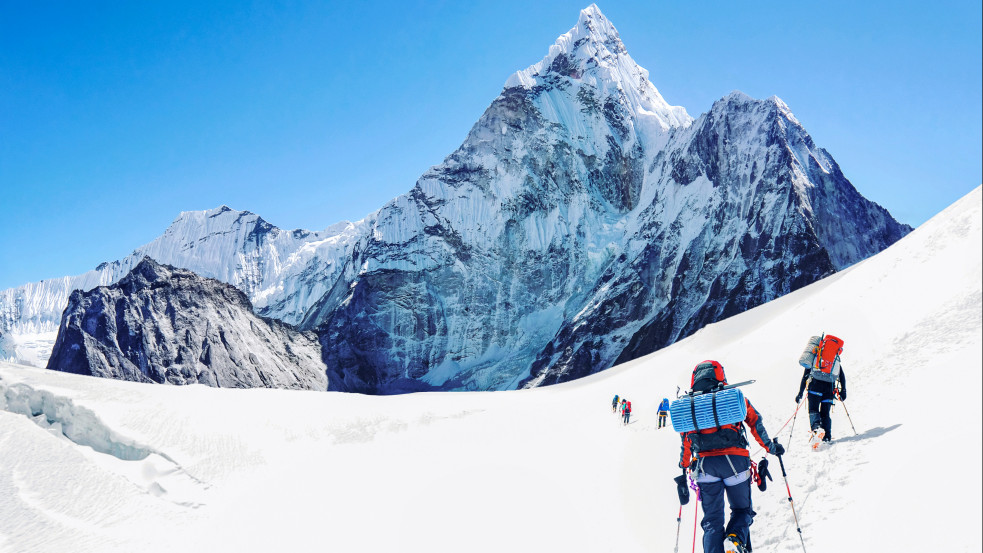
pixel 711 410
pixel 808 357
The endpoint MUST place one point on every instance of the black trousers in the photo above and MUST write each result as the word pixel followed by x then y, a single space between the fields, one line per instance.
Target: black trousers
pixel 738 497
pixel 821 398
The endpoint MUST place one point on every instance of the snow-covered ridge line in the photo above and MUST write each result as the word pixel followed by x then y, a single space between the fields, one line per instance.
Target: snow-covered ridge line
pixel 272 266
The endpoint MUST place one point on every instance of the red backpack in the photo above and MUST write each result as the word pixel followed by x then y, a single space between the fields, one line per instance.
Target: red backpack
pixel 828 360
pixel 707 376
pixel 628 407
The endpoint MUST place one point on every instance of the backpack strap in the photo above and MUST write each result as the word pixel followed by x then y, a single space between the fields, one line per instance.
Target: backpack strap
pixel 692 409
pixel 731 463
pixel 713 407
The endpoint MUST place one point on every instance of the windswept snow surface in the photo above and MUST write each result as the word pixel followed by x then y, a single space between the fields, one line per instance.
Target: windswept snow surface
pixel 93 464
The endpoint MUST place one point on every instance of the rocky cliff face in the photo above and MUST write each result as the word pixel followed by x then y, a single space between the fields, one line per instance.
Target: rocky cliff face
pixel 167 325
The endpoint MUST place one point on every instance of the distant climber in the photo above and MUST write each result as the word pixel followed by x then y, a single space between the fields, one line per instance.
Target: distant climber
pixel 614 404
pixel 825 380
pixel 663 411
pixel 719 462
pixel 625 411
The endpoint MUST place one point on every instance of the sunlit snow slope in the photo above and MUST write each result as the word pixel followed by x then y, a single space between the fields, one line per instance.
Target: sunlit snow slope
pixel 118 466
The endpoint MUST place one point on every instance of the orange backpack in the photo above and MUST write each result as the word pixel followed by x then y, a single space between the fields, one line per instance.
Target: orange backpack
pixel 827 365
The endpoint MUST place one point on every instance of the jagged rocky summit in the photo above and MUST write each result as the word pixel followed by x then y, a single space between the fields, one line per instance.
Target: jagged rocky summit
pixel 168 325
pixel 583 222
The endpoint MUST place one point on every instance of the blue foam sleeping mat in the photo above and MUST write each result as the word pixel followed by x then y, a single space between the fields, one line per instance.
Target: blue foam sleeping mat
pixel 729 404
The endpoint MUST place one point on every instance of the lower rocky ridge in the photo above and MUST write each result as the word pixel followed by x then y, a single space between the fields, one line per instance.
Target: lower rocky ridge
pixel 168 325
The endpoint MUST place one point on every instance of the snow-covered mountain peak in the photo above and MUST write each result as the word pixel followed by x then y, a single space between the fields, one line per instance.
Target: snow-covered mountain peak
pixel 591 53
pixel 772 106
pixel 594 26
pixel 783 109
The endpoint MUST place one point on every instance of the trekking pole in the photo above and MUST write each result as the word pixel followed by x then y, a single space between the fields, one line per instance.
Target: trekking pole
pixel 679 524
pixel 797 407
pixel 696 509
pixel 847 411
pixel 791 504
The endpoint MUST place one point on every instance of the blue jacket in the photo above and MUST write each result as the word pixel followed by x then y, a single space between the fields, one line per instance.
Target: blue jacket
pixel 664 406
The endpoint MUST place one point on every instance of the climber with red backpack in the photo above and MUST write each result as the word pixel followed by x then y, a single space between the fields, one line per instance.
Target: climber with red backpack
pixel 716 454
pixel 626 411
pixel 825 382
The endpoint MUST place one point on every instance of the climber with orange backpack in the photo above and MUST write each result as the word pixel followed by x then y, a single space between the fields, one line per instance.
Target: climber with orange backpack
pixel 825 381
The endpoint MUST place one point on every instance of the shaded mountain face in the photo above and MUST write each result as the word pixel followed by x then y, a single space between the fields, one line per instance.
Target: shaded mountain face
pixel 167 325
pixel 583 222
pixel 746 209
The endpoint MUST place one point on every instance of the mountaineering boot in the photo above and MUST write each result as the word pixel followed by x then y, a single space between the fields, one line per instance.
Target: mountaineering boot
pixel 817 438
pixel 733 545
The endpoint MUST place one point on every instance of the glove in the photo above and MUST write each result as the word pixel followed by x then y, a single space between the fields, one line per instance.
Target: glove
pixel 776 448
pixel 762 474
pixel 682 489
pixel 798 398
pixel 843 394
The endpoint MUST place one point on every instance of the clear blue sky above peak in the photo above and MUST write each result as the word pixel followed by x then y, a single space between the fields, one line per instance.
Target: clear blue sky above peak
pixel 117 116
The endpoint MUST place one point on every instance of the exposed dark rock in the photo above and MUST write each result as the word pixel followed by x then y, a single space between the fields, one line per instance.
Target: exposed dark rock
pixel 167 325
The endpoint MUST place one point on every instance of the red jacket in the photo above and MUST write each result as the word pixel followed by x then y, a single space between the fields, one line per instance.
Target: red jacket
pixel 731 432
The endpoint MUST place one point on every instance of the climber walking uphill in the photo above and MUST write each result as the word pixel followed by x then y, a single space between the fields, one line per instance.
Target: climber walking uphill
pixel 717 457
pixel 625 411
pixel 614 404
pixel 663 411
pixel 824 380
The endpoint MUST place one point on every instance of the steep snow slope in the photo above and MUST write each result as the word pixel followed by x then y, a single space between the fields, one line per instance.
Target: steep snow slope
pixel 549 469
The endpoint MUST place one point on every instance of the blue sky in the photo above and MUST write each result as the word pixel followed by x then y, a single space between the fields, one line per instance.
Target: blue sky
pixel 116 116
